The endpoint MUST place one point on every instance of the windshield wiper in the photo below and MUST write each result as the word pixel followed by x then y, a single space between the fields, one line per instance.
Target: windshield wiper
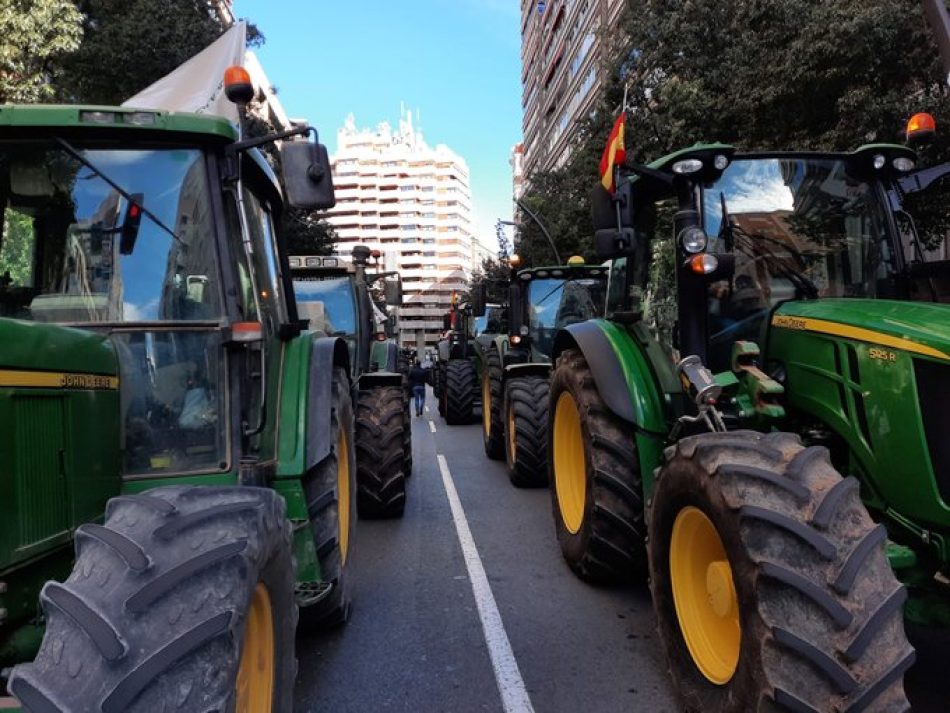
pixel 72 151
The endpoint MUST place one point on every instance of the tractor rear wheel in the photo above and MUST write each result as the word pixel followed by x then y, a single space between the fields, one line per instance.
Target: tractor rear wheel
pixel 380 452
pixel 439 378
pixel 406 440
pixel 493 427
pixel 526 430
pixel 182 600
pixel 596 490
pixel 330 489
pixel 459 389
pixel 770 583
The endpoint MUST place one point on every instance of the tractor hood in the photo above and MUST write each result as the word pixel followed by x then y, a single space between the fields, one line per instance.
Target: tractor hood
pixel 34 346
pixel 920 328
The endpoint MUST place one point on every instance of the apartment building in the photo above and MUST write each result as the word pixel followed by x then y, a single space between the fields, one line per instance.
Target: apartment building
pixel 412 202
pixel 560 73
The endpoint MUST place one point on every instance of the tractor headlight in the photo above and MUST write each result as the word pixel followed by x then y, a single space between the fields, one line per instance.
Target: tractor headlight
pixel 687 166
pixel 903 164
pixel 879 161
pixel 693 239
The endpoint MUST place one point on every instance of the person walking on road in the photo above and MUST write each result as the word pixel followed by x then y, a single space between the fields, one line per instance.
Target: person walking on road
pixel 418 377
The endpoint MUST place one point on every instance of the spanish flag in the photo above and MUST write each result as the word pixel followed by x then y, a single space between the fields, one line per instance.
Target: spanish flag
pixel 614 154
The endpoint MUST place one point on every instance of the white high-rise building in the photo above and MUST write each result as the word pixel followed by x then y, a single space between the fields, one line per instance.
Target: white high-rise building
pixel 412 202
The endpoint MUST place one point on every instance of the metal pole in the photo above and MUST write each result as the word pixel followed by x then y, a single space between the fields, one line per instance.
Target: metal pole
pixel 936 13
pixel 544 230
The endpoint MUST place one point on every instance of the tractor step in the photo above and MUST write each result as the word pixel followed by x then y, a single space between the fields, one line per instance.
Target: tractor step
pixel 311 593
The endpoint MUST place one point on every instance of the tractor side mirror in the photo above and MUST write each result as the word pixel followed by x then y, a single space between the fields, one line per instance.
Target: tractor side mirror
pixel 603 206
pixel 479 298
pixel 610 242
pixel 308 181
pixel 392 292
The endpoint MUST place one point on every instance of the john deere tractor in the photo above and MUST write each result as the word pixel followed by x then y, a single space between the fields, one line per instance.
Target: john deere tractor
pixel 517 362
pixel 758 426
pixel 461 358
pixel 178 465
pixel 337 299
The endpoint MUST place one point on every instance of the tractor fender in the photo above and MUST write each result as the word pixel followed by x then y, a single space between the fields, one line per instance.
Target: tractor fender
pixel 533 369
pixel 373 379
pixel 621 370
pixel 327 353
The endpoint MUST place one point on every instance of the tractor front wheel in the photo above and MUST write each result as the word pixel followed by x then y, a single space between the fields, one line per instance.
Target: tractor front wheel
pixel 380 452
pixel 182 600
pixel 596 490
pixel 526 430
pixel 493 428
pixel 770 583
pixel 330 489
pixel 459 391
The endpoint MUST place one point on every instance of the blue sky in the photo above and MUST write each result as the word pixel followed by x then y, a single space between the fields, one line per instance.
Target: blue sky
pixel 456 61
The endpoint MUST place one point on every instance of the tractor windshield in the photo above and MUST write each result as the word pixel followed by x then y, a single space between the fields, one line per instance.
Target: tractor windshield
pixel 122 240
pixel 329 303
pixel 75 251
pixel 799 227
pixel 556 303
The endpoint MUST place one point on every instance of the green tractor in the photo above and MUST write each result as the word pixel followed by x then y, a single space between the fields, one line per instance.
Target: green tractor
pixel 178 452
pixel 517 362
pixel 758 426
pixel 461 359
pixel 337 299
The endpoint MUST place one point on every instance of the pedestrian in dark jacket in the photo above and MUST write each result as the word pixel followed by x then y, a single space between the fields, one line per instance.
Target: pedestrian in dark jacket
pixel 418 378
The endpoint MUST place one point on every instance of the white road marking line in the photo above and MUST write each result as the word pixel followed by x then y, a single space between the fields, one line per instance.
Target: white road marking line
pixel 432 426
pixel 427 409
pixel 514 695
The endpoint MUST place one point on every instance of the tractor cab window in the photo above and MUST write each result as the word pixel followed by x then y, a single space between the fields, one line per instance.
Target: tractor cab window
pixel 925 242
pixel 329 303
pixel 799 228
pixel 123 242
pixel 554 304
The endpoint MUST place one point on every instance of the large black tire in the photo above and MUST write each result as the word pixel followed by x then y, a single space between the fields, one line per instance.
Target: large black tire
pixel 330 489
pixel 461 385
pixel 440 395
pixel 815 611
pixel 406 440
pixel 493 426
pixel 526 430
pixel 380 453
pixel 156 610
pixel 596 489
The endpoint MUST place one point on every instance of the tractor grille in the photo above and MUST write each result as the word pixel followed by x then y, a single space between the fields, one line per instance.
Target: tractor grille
pixel 933 386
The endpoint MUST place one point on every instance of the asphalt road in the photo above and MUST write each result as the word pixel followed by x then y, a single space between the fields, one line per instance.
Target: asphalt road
pixel 428 632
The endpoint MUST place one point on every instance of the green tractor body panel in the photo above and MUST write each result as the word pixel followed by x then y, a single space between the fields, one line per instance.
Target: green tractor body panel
pixel 59 436
pixel 111 119
pixel 871 370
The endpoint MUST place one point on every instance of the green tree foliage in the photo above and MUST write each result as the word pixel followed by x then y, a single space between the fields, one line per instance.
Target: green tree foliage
pixel 16 250
pixel 129 44
pixel 35 35
pixel 796 74
pixel 494 273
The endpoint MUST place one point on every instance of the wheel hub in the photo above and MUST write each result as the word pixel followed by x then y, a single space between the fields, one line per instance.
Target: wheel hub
pixel 570 476
pixel 255 678
pixel 704 594
pixel 486 403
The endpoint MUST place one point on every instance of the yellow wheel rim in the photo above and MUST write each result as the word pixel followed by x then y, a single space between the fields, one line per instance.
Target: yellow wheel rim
pixel 255 679
pixel 705 595
pixel 570 476
pixel 512 439
pixel 486 403
pixel 343 493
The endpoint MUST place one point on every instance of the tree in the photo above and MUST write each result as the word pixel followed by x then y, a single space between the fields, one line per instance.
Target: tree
pixel 129 44
pixel 35 35
pixel 797 74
